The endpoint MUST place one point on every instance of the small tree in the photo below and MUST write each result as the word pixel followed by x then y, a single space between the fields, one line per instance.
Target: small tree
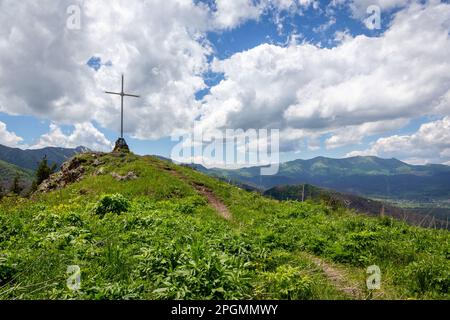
pixel 44 171
pixel 16 188
pixel 33 187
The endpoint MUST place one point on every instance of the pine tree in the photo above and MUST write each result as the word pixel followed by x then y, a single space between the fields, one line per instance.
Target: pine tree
pixel 16 187
pixel 44 171
pixel 34 186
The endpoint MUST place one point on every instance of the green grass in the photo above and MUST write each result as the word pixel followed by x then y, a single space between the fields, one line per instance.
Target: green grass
pixel 157 238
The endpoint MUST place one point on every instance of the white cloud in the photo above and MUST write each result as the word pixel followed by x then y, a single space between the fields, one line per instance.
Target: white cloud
pixel 8 138
pixel 232 13
pixel 159 44
pixel 351 135
pixel 361 87
pixel 83 134
pixel 430 144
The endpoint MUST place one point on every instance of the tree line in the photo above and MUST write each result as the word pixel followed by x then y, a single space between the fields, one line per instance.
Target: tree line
pixel 42 173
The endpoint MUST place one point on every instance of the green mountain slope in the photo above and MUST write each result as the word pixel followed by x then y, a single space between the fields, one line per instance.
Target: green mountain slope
pixel 142 228
pixel 8 172
pixel 29 159
pixel 366 176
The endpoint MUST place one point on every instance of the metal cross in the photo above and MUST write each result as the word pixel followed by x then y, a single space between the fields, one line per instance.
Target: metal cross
pixel 122 94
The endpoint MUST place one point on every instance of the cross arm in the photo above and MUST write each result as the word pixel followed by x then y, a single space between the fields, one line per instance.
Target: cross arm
pixel 119 94
pixel 131 95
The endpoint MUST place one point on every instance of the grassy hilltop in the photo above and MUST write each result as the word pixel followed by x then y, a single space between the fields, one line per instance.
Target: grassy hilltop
pixel 142 228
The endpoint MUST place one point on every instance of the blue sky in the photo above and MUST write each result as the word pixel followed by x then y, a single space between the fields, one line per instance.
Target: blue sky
pixel 226 34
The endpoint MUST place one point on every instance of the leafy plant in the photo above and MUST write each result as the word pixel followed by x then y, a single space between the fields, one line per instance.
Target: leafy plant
pixel 288 283
pixel 115 203
pixel 431 275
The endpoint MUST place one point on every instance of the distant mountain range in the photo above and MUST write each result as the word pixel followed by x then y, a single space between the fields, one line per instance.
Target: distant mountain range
pixel 14 161
pixel 366 176
pixel 29 159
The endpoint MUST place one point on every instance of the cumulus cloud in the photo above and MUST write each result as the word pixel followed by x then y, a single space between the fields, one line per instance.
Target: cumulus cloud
pixel 8 138
pixel 231 13
pixel 354 134
pixel 159 44
pixel 365 85
pixel 430 144
pixel 83 134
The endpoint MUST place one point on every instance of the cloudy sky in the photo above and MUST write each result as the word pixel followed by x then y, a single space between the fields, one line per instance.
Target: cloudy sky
pixel 332 84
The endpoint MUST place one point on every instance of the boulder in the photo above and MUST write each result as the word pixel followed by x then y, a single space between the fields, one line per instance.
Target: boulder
pixel 129 176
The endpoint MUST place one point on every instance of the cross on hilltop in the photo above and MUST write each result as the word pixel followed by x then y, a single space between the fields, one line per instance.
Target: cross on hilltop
pixel 121 144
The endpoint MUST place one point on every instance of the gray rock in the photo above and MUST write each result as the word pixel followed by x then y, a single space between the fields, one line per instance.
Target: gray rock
pixel 129 176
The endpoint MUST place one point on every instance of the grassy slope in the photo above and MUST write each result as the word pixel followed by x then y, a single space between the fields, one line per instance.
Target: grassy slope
pixel 171 243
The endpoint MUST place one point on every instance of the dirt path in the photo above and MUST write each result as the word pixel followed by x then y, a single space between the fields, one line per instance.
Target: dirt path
pixel 215 202
pixel 338 278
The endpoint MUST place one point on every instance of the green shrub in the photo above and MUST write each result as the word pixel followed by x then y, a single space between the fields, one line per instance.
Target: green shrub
pixel 429 275
pixel 194 272
pixel 357 248
pixel 288 283
pixel 188 205
pixel 317 243
pixel 115 203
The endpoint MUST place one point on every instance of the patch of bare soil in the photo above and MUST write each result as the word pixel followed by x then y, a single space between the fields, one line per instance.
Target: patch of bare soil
pixel 338 278
pixel 217 204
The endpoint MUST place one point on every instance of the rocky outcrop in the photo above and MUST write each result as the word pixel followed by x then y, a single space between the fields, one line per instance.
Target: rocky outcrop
pixel 71 171
pixel 77 168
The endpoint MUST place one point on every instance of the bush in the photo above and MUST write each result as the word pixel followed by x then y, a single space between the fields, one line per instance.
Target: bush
pixel 357 248
pixel 115 203
pixel 194 272
pixel 288 283
pixel 430 275
pixel 188 205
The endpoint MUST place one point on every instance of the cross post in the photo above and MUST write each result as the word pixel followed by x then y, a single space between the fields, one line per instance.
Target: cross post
pixel 122 94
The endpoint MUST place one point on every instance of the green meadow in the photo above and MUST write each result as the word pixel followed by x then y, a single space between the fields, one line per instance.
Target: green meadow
pixel 159 237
